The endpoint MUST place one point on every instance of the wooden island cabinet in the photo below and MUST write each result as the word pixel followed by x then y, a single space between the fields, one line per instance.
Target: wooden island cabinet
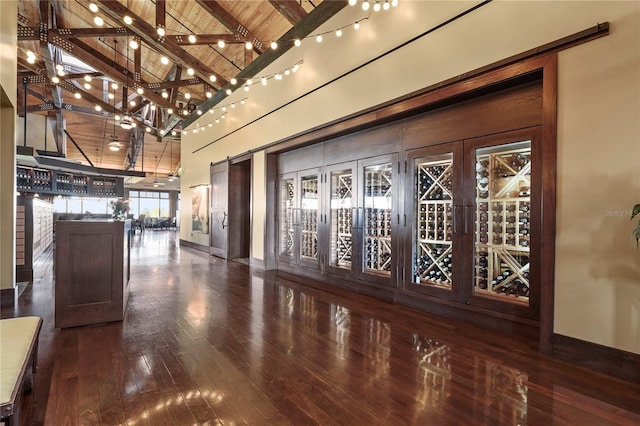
pixel 92 272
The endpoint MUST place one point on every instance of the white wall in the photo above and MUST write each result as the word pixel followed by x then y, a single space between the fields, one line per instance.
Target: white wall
pixel 38 131
pixel 494 32
pixel 8 70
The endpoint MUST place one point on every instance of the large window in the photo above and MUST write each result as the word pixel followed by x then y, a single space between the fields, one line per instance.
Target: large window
pixel 149 203
pixel 82 205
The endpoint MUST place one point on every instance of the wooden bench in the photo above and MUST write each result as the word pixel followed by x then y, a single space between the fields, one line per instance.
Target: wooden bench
pixel 18 359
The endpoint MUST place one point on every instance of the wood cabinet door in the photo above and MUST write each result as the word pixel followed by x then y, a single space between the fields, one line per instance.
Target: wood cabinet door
pixel 218 229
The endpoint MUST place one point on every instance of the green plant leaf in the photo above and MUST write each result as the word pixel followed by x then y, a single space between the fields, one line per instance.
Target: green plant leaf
pixel 635 211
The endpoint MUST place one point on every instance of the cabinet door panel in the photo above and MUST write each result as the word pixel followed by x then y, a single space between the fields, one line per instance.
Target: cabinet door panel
pixel 219 210
pixel 342 218
pixel 307 239
pixel 502 218
pixel 436 208
pixel 378 219
pixel 286 216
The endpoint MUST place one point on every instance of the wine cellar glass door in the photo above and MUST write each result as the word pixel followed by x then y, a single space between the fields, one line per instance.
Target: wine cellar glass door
pixel 308 219
pixel 436 200
pixel 500 217
pixel 378 216
pixel 342 215
pixel 286 217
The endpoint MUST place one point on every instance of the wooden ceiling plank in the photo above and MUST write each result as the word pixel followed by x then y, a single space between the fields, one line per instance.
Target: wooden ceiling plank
pixel 148 34
pixel 225 18
pixel 290 9
pixel 313 20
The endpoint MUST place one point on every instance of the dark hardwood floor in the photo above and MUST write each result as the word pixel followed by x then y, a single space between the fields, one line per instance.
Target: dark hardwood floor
pixel 211 342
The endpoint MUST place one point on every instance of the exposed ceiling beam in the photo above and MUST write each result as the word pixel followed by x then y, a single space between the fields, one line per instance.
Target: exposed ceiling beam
pixel 308 24
pixel 102 64
pixel 290 9
pixel 201 39
pixel 149 35
pixel 225 18
pixel 32 33
pixel 161 7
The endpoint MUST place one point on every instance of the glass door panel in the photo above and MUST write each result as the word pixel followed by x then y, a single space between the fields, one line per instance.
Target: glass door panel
pixel 433 250
pixel 502 222
pixel 287 209
pixel 377 204
pixel 309 204
pixel 341 216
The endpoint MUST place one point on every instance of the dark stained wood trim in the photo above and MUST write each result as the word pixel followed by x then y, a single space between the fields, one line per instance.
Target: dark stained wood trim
pixel 603 359
pixel 290 9
pixel 548 201
pixel 91 32
pixel 161 7
pixel 202 39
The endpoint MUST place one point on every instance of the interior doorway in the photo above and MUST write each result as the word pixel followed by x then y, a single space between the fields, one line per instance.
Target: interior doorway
pixel 239 235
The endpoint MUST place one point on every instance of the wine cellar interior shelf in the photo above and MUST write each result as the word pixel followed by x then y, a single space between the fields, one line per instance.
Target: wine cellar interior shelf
pixel 29 179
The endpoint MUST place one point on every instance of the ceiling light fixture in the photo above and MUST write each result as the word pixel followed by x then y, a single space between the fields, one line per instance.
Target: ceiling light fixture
pixel 228 92
pixel 212 77
pixel 98 21
pixel 114 145
pixel 55 79
pixel 192 38
pixel 164 60
pixel 187 95
pixel 126 122
pixel 134 44
pixel 221 44
pixel 87 86
pixel 77 95
pixel 366 5
pixel 93 7
pixel 338 33
pixel 161 31
pixel 140 90
pixel 297 42
pixel 114 85
pixel 128 20
pixel 274 45
pixel 165 95
pixel 87 78
pixel 190 71
pixel 208 95
pixel 319 38
pixel 111 96
pixel 248 45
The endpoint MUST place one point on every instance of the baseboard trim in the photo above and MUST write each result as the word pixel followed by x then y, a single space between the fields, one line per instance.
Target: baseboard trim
pixel 193 245
pixel 603 359
pixel 7 297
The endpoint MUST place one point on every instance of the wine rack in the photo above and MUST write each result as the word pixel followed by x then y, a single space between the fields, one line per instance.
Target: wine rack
pixel 309 218
pixel 434 255
pixel 287 200
pixel 377 218
pixel 502 243
pixel 71 184
pixel 104 186
pixel 341 219
pixel 37 180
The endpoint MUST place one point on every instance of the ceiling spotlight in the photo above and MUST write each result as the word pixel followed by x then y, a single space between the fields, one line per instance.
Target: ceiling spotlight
pixel 190 71
pixel 297 42
pixel 165 95
pixel 228 92
pixel 184 132
pixel 116 117
pixel 55 79
pixel 98 21
pixel 208 95
pixel 93 7
pixel 386 5
pixel 170 178
pixel 140 90
pixel 126 122
pixel 61 72
pixel 170 111
pixel 185 112
pixel 161 132
pixel 319 38
pixel 148 129
pixel 212 77
pixel 356 26
pixel 127 20
pixel 161 31
pixel 153 107
pixel 221 44
pixel 77 95
pixel 187 95
pixel 114 145
pixel 339 33
pixel 173 133
pixel 234 81
pixel 164 60
pixel 133 124
pixel 87 86
pixel 248 45
pixel 365 5
pixel 274 45
pixel 134 44
pixel 394 3
pixel 111 96
pixel 59 67
pixel 192 39
pixel 114 85
pixel 87 78
pixel 132 102
pixel 377 7
pixel 98 108
pixel 249 82
pixel 31 58
pixel 199 112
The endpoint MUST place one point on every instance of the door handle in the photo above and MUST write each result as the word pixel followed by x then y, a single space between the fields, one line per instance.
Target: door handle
pixel 224 219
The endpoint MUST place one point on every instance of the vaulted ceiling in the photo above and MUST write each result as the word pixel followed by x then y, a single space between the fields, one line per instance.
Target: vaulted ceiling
pixel 161 84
